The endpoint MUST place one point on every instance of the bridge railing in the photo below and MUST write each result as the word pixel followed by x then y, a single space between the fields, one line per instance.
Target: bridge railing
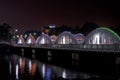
pixel 84 47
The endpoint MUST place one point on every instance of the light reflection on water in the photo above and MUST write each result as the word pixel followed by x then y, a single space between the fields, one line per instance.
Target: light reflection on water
pixel 23 68
pixel 17 71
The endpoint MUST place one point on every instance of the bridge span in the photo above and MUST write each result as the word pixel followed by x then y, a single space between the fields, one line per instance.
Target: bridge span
pixel 115 48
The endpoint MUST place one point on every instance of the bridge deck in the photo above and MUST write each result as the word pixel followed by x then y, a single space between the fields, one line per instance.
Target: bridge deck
pixel 88 47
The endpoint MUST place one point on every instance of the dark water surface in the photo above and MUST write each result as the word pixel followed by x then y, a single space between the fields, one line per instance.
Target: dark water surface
pixel 14 67
pixel 19 68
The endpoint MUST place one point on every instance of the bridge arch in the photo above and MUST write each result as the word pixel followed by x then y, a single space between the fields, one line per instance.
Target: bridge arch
pixel 66 38
pixel 30 39
pixel 43 39
pixel 80 38
pixel 21 40
pixel 102 36
pixel 53 38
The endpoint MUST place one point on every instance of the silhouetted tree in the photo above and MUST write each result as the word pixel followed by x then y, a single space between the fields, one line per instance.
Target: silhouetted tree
pixel 5 34
pixel 64 28
pixel 88 27
pixel 76 30
pixel 60 29
pixel 116 29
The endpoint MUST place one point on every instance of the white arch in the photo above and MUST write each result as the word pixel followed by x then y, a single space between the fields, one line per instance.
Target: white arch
pixel 43 39
pixel 53 38
pixel 66 38
pixel 102 36
pixel 30 39
pixel 21 40
pixel 80 38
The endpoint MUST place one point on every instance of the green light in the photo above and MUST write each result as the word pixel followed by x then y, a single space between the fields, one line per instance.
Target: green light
pixel 108 29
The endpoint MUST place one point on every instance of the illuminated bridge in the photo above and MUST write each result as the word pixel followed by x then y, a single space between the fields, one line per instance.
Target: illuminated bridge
pixel 100 40
pixel 99 49
pixel 102 44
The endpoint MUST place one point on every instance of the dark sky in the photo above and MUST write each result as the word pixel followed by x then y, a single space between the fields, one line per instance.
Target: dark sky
pixel 31 14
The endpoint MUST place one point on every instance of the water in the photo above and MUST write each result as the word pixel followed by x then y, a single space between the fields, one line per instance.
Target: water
pixel 14 67
pixel 20 68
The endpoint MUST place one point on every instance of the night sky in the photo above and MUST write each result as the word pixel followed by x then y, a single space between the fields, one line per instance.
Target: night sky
pixel 31 14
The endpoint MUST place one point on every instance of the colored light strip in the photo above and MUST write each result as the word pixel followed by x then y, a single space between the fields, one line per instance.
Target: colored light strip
pixel 108 29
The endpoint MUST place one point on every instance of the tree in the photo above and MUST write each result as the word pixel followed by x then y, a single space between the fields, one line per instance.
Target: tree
pixel 88 27
pixel 5 34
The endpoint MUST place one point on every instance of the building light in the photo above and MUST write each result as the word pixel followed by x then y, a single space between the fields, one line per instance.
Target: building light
pixel 16 30
pixel 17 36
pixel 34 33
pixel 13 37
pixel 25 35
pixel 52 26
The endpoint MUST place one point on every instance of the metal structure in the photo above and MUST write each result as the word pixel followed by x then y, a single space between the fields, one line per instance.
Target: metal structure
pixel 43 39
pixel 66 38
pixel 100 40
pixel 102 36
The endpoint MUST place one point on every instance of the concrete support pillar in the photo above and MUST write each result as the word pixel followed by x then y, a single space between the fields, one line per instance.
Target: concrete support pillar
pixel 49 55
pixel 22 51
pixel 33 53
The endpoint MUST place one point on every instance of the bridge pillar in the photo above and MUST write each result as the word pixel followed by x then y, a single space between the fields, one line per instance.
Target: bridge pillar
pixel 33 53
pixel 75 56
pixel 22 51
pixel 49 54
pixel 75 59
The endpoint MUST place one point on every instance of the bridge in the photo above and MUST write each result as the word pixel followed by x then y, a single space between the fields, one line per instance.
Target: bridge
pixel 98 59
pixel 74 56
pixel 100 40
pixel 115 48
pixel 100 49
